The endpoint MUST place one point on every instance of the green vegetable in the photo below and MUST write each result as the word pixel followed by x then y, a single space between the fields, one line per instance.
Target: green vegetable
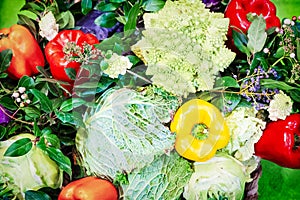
pixel 184 53
pixel 164 178
pixel 245 129
pixel 218 178
pixel 31 171
pixel 125 132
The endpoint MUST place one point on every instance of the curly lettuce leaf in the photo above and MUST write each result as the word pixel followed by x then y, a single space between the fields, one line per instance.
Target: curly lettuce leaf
pixel 164 178
pixel 125 132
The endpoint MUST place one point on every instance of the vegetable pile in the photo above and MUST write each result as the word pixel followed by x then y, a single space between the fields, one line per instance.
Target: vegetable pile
pixel 148 99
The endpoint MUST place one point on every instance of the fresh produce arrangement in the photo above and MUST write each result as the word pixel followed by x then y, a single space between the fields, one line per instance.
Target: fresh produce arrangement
pixel 149 99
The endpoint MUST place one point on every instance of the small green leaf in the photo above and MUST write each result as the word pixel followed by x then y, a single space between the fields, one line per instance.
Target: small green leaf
pixel 86 6
pixel 66 20
pixel 109 43
pixel 2 132
pixel 65 117
pixel 34 195
pixel 8 102
pixel 71 73
pixel 19 148
pixel 272 84
pixel 61 160
pixel 257 34
pixel 46 130
pixel 104 65
pixel 298 48
pixel 26 82
pixel 227 102
pixel 133 59
pixel 279 53
pixel 52 140
pixel 106 7
pixel 153 5
pixel 31 112
pixel 46 104
pixel 5 58
pixel 106 20
pixel 240 41
pixel 295 95
pixel 117 1
pixel 227 82
pixel 70 104
pixel 132 17
pixel 36 130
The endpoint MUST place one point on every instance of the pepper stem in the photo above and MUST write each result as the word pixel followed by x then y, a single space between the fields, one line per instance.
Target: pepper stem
pixel 200 131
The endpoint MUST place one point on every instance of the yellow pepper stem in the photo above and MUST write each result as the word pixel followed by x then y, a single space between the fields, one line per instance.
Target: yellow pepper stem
pixel 200 131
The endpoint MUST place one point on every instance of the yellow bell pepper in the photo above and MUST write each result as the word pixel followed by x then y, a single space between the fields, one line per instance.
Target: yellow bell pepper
pixel 200 130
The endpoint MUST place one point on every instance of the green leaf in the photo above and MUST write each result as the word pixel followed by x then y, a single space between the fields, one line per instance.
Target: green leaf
pixel 5 58
pixel 26 82
pixel 46 130
pixel 2 132
pixel 117 1
pixel 86 6
pixel 272 84
pixel 65 117
pixel 8 102
pixel 106 7
pixel 240 41
pixel 133 59
pixel 257 34
pixel 153 5
pixel 31 112
pixel 70 104
pixel 46 104
pixel 106 20
pixel 36 130
pixel 34 195
pixel 298 48
pixel 9 10
pixel 66 20
pixel 227 102
pixel 71 73
pixel 132 18
pixel 279 52
pixel 227 82
pixel 109 43
pixel 19 148
pixel 52 140
pixel 278 182
pixel 60 159
pixel 295 95
pixel 29 14
pixel 26 21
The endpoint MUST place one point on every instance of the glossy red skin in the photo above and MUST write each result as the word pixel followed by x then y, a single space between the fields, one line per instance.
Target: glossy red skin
pixel 277 143
pixel 89 188
pixel 237 11
pixel 55 55
pixel 27 54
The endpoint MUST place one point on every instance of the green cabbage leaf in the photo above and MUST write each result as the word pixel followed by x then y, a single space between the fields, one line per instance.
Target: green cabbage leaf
pixel 125 131
pixel 164 178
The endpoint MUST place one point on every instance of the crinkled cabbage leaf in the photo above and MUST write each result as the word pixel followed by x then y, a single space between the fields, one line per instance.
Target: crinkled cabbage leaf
pixel 125 132
pixel 164 178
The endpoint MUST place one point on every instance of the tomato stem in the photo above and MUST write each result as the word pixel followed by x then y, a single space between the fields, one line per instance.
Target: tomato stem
pixel 200 131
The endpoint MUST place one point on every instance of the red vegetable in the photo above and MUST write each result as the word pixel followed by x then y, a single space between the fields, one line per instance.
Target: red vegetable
pixel 280 142
pixel 237 11
pixel 89 188
pixel 27 54
pixel 55 54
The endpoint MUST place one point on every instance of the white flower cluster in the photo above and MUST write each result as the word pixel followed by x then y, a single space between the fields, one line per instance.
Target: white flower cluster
pixel 21 97
pixel 117 65
pixel 184 53
pixel 280 107
pixel 48 26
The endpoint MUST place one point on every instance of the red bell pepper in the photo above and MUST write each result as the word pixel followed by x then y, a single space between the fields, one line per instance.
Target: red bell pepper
pixel 55 54
pixel 280 142
pixel 27 54
pixel 237 11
